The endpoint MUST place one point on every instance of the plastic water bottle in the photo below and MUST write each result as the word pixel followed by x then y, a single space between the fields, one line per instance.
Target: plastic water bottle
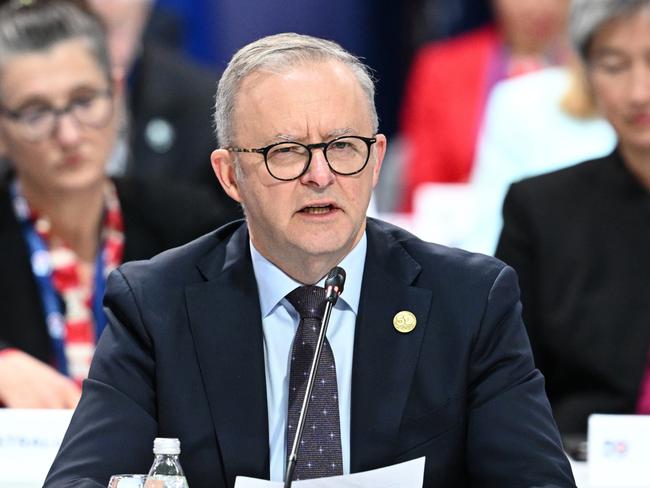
pixel 166 467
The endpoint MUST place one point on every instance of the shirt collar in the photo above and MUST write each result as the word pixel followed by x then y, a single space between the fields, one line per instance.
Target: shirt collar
pixel 273 284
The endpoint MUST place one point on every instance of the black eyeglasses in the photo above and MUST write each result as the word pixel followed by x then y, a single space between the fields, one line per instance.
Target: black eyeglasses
pixel 286 161
pixel 37 122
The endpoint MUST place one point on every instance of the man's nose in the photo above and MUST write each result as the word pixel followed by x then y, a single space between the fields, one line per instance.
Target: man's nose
pixel 319 172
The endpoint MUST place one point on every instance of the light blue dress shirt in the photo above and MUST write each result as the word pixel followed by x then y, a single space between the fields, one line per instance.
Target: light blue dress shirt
pixel 279 324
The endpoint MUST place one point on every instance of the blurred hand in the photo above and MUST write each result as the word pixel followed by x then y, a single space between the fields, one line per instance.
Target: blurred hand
pixel 26 382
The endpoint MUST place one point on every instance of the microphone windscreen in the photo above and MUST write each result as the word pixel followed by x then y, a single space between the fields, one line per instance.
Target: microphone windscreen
pixel 335 279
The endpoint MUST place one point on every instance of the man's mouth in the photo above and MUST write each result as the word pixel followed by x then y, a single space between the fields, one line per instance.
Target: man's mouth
pixel 317 209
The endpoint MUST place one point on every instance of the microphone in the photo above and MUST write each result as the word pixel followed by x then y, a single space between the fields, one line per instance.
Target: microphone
pixel 333 288
pixel 334 284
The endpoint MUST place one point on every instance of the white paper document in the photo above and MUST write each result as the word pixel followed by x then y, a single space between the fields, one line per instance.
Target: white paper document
pixel 409 474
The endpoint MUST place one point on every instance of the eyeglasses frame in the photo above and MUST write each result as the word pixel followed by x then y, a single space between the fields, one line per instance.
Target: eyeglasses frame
pixel 319 145
pixel 14 115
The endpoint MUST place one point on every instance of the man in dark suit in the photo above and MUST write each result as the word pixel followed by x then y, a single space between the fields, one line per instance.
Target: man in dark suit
pixel 434 359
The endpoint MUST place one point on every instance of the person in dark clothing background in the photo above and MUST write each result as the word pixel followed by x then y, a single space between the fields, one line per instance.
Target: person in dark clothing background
pixel 579 237
pixel 167 132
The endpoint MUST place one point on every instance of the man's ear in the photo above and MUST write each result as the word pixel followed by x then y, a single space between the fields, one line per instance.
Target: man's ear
pixel 380 151
pixel 223 165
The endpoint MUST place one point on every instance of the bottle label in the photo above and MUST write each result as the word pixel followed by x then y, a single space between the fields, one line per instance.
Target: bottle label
pixel 161 481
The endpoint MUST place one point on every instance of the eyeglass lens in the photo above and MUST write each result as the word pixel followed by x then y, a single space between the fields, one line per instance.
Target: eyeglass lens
pixel 346 155
pixel 38 122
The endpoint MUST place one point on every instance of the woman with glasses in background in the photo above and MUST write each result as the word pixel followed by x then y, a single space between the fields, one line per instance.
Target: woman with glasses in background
pixel 64 225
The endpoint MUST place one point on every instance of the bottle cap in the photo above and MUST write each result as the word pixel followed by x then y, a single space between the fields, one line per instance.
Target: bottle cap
pixel 163 445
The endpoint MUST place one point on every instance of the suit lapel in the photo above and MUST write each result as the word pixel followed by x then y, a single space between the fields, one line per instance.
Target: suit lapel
pixel 225 320
pixel 384 359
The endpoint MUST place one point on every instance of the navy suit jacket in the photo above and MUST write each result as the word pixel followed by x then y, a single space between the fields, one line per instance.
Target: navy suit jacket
pixel 183 357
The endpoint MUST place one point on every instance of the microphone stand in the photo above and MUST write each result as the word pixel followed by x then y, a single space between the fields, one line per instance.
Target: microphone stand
pixel 333 292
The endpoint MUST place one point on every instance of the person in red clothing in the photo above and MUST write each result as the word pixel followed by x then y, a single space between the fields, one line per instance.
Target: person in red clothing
pixel 449 82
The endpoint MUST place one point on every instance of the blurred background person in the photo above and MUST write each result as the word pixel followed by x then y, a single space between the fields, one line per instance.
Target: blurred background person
pixel 64 225
pixel 536 123
pixel 579 237
pixel 441 19
pixel 168 131
pixel 450 80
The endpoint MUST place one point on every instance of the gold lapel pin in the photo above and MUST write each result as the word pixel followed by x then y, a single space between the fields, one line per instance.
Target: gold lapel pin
pixel 404 322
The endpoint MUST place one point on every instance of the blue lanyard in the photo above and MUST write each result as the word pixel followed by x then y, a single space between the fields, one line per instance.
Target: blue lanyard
pixel 50 299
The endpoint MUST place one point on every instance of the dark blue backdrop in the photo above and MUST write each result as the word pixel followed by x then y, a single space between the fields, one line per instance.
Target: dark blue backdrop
pixel 214 30
pixel 383 32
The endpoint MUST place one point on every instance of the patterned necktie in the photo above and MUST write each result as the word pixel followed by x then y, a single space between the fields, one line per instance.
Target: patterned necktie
pixel 319 454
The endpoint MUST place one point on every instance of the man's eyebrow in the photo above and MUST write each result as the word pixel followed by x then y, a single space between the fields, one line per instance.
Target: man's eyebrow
pixel 340 132
pixel 283 137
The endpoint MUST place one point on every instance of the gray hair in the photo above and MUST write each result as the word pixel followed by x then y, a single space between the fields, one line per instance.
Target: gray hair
pixel 28 26
pixel 278 53
pixel 587 16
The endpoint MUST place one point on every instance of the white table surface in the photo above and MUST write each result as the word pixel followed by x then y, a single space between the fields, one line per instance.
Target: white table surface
pixel 581 475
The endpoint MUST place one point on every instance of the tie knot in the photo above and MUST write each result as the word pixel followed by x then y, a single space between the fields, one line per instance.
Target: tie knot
pixel 309 301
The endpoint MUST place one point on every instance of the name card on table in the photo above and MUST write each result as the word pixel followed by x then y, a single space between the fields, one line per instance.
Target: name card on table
pixel 619 450
pixel 29 441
